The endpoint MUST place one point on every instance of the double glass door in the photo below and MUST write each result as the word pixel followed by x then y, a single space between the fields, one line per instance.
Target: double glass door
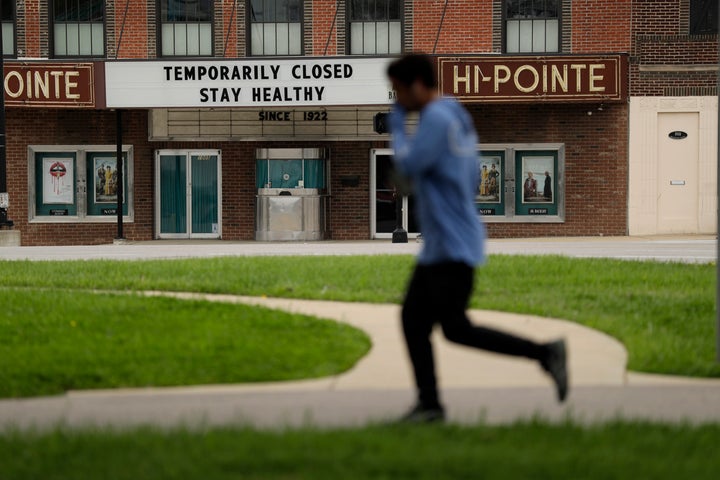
pixel 384 198
pixel 188 194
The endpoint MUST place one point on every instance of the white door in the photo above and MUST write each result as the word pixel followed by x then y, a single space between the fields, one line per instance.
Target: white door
pixel 678 159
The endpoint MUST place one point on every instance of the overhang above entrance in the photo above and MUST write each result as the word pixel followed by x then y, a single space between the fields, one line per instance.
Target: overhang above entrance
pixel 310 123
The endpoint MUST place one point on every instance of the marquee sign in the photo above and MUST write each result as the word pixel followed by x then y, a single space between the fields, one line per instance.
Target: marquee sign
pixel 248 83
pixel 66 85
pixel 533 79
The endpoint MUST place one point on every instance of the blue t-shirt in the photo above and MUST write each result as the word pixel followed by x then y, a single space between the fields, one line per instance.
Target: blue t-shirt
pixel 441 161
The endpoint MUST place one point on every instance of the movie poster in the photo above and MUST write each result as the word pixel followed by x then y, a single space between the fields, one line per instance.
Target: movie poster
pixel 490 179
pixel 58 180
pixel 105 179
pixel 538 174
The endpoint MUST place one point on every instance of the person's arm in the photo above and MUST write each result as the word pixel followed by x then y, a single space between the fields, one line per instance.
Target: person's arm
pixel 415 154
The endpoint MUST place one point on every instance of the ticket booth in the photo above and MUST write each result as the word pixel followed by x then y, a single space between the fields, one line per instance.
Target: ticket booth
pixel 292 194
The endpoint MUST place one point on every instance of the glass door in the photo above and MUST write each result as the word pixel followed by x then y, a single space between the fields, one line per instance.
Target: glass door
pixel 188 194
pixel 384 196
pixel 204 194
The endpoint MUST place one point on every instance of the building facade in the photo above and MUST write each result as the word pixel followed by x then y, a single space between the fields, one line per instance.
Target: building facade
pixel 256 119
pixel 673 118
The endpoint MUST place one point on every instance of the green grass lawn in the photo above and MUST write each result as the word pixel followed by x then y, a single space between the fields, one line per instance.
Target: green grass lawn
pixel 527 450
pixel 53 340
pixel 57 334
pixel 663 312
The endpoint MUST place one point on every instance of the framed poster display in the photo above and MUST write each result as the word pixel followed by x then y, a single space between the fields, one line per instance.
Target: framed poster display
pixel 78 183
pixel 489 198
pixel 55 182
pixel 536 182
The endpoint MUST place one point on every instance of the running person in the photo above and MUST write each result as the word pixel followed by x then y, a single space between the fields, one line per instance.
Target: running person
pixel 441 161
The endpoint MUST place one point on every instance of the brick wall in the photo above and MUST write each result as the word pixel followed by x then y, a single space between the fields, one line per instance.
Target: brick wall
pixel 600 27
pixel 75 127
pixel 350 206
pixel 32 28
pixel 595 162
pixel 20 29
pixel 467 27
pixel 660 37
pixel 349 215
pixel 656 17
pixel 151 25
pixel 238 187
pixel 675 49
pixel 131 24
pixel 595 170
pixel 324 26
pixel 218 17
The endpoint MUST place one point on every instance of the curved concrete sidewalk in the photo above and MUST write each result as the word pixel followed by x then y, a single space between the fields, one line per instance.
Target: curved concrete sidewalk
pixel 475 384
pixel 595 358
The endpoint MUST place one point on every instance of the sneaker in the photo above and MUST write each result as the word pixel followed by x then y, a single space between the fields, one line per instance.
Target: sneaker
pixel 555 364
pixel 419 414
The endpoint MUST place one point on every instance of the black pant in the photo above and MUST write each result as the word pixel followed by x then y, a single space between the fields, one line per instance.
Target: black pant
pixel 440 293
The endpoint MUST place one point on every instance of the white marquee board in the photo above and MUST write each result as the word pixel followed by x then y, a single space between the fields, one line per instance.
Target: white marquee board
pixel 323 81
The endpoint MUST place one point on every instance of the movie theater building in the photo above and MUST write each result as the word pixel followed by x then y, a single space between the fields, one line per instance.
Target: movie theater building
pixel 257 120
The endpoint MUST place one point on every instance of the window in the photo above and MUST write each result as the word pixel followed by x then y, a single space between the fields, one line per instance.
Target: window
pixel 8 28
pixel 186 28
pixel 375 27
pixel 291 168
pixel 71 184
pixel 703 17
pixel 275 27
pixel 78 28
pixel 532 26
